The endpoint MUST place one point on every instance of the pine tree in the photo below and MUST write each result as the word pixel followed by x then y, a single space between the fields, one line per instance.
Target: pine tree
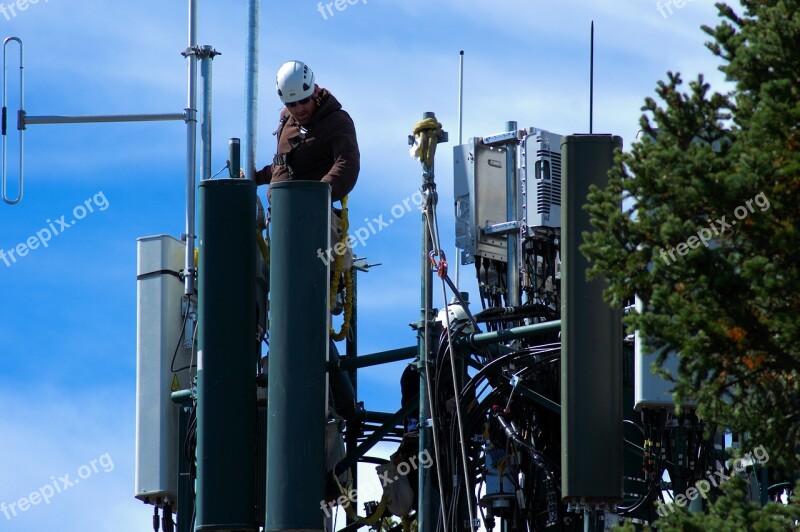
pixel 729 513
pixel 709 233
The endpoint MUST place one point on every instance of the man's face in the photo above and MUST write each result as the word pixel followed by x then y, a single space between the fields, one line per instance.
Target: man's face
pixel 303 110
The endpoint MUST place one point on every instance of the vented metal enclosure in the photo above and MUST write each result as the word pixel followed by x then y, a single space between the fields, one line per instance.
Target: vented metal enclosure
pixel 591 339
pixel 542 164
pixel 159 327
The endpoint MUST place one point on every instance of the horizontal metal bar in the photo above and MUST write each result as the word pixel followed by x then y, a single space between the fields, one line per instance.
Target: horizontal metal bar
pixel 480 339
pixel 540 399
pixel 500 138
pixel 393 355
pixel 182 396
pixel 390 424
pixel 504 227
pixel 378 417
pixel 85 119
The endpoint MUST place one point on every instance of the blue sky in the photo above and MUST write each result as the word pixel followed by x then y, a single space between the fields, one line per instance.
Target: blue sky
pixel 68 313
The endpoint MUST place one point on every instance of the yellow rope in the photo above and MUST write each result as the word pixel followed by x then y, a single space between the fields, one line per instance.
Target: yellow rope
pixel 262 245
pixel 348 308
pixel 339 261
pixel 428 132
pixel 348 281
pixel 352 514
pixel 261 225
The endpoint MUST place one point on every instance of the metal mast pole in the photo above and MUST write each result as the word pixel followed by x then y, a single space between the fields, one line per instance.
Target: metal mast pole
pixel 512 272
pixel 351 436
pixel 428 511
pixel 191 149
pixel 207 54
pixel 460 129
pixel 591 80
pixel 251 89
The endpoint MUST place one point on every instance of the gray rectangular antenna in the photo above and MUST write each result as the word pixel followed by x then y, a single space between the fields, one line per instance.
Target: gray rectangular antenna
pixel 591 340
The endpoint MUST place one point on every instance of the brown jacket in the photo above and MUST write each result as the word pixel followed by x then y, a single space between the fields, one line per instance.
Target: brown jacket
pixel 328 153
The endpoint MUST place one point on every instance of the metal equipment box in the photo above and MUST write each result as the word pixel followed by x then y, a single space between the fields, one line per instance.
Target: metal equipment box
pixel 465 230
pixel 541 161
pixel 480 191
pixel 653 391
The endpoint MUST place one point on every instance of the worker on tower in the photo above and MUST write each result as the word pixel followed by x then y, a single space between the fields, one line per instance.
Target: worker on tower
pixel 317 142
pixel 316 137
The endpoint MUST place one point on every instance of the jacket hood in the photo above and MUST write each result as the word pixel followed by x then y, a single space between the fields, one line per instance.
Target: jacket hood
pixel 329 105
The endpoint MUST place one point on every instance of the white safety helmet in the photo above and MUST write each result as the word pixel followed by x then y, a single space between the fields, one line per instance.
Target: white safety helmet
pixel 295 81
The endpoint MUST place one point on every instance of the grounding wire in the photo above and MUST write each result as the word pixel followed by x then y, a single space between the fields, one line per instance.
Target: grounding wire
pixel 634 424
pixel 426 369
pixel 438 253
pixel 227 165
pixel 194 349
pixel 178 346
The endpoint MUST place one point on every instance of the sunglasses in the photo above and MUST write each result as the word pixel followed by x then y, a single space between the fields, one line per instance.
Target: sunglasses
pixel 299 102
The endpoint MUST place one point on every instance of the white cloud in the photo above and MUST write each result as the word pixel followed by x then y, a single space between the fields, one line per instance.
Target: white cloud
pixel 79 442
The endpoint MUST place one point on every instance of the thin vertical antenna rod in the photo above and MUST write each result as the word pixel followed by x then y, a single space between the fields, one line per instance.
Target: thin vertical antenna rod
pixel 460 129
pixel 591 79
pixel 460 94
